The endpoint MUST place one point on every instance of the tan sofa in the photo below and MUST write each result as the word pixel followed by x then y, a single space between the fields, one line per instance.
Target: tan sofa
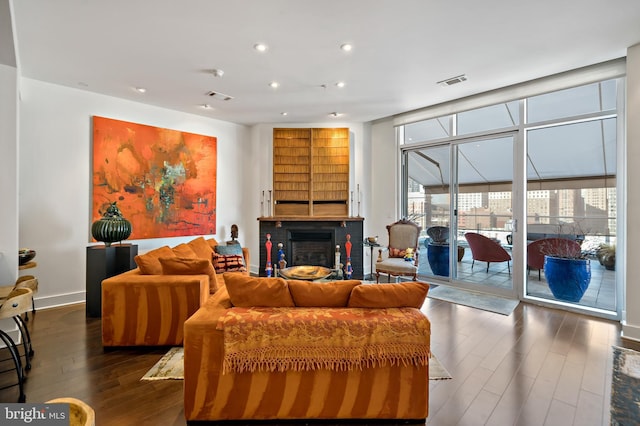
pixel 256 351
pixel 147 306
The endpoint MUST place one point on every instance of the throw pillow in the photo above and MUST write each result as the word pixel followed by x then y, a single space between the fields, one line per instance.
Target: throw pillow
pixel 184 250
pixel 232 249
pixel 201 247
pixel 149 263
pixel 402 295
pixel 396 252
pixel 190 266
pixel 331 295
pixel 228 263
pixel 246 291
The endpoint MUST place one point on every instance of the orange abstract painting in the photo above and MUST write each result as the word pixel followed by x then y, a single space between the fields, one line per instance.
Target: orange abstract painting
pixel 164 181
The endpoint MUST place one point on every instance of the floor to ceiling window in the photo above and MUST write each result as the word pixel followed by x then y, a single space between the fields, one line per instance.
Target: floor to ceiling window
pixel 521 174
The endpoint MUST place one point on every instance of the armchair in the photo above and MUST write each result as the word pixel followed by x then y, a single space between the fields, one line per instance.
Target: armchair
pixel 403 234
pixel 485 249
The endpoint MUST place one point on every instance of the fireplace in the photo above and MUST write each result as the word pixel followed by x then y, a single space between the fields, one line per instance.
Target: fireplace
pixel 311 247
pixel 312 241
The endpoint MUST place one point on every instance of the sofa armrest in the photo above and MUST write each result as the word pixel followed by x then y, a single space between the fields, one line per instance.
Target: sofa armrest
pixel 247 259
pixel 204 350
pixel 149 310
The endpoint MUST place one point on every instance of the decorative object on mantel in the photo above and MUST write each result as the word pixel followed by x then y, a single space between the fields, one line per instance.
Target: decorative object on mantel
pixel 282 263
pixel 268 269
pixel 234 235
pixel 111 227
pixel 337 258
pixel 25 255
pixel 348 268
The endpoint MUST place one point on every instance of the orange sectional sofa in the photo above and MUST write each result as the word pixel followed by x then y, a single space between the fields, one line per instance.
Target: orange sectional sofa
pixel 148 306
pixel 272 349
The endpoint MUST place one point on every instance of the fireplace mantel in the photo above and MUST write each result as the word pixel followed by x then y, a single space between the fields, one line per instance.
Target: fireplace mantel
pixel 281 227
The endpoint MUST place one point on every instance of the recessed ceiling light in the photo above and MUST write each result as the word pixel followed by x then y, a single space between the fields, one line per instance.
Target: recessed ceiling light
pixel 335 114
pixel 284 113
pixel 141 89
pixel 260 47
pixel 340 84
pixel 206 106
pixel 346 47
pixel 217 72
pixel 274 84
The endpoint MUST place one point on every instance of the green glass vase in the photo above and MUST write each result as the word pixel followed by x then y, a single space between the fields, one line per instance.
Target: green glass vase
pixel 111 227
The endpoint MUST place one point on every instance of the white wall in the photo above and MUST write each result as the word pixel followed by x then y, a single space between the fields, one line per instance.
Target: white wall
pixel 8 175
pixel 631 324
pixel 55 178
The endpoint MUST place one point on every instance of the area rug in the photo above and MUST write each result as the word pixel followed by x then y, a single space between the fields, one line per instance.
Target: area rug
pixel 486 302
pixel 625 387
pixel 170 367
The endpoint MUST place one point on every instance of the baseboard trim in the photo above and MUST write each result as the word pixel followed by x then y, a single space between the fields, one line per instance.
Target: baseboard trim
pixel 630 332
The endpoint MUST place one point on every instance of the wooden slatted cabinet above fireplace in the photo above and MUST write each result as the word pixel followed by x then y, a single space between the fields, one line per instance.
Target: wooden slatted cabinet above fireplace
pixel 311 172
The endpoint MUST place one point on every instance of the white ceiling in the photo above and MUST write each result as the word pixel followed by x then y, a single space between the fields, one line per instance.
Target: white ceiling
pixel 402 48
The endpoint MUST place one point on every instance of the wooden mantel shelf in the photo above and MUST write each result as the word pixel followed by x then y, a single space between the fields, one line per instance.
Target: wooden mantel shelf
pixel 309 219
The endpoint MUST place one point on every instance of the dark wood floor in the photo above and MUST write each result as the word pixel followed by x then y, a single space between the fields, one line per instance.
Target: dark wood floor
pixel 537 366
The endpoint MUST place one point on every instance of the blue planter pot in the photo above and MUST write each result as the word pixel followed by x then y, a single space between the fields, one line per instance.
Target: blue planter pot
pixel 438 257
pixel 568 278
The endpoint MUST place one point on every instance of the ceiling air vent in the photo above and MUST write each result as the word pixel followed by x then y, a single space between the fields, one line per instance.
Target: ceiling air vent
pixel 453 80
pixel 219 96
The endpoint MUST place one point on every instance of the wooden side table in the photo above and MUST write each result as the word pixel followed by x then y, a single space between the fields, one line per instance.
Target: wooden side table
pixel 371 246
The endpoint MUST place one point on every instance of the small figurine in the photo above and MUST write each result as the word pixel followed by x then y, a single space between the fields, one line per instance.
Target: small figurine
pixel 409 255
pixel 268 269
pixel 282 263
pixel 234 235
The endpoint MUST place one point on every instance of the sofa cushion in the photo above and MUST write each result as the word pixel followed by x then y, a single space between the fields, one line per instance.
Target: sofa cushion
pixel 149 264
pixel 190 266
pixel 246 291
pixel 331 295
pixel 228 263
pixel 184 250
pixel 201 247
pixel 408 294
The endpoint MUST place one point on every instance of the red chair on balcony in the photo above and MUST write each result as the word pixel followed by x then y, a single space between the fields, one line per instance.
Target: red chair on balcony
pixel 487 250
pixel 536 250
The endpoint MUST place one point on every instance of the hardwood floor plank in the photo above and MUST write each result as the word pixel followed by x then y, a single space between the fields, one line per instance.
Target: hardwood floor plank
pixel 589 410
pixel 569 383
pixel 508 409
pixel 560 414
pixel 480 409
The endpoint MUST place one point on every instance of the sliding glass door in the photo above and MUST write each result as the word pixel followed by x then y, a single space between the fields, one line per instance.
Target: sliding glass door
pixel 484 212
pixel 460 193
